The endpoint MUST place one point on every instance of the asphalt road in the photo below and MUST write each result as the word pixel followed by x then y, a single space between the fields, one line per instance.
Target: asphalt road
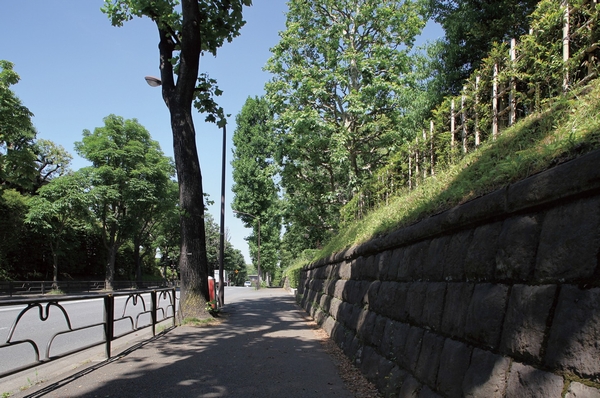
pixel 81 314
pixel 264 347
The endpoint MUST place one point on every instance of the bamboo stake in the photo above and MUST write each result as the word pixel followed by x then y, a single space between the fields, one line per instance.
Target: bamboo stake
pixel 431 145
pixel 463 119
pixel 452 124
pixel 424 152
pixel 566 55
pixel 513 85
pixel 477 138
pixel 495 103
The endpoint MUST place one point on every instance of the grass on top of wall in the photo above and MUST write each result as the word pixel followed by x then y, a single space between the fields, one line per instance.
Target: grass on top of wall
pixel 565 129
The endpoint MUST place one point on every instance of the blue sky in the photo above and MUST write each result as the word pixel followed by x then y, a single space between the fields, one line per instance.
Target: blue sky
pixel 76 69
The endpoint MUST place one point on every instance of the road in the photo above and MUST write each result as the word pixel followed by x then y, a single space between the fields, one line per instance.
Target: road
pixel 128 314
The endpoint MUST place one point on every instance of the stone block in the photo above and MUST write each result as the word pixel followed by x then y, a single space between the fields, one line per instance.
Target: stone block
pixel 486 313
pixel 385 297
pixel 454 362
pixel 434 305
pixel 417 293
pixel 345 314
pixel 338 291
pixel 429 358
pixel 395 381
pixel 525 321
pixel 575 333
pixel 458 297
pixel 569 242
pixel 399 332
pixel 346 270
pixel 412 262
pixel 454 265
pixel 398 309
pixel 386 340
pixel 517 247
pixel 526 381
pixel 427 392
pixel 378 330
pixel 387 269
pixel 371 296
pixel 395 260
pixel 365 323
pixel 480 260
pixel 410 388
pixel 578 390
pixel 486 376
pixel 412 348
pixel 433 263
pixel 370 271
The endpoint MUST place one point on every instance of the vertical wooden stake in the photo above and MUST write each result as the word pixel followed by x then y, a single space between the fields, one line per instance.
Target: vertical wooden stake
pixel 431 145
pixel 495 103
pixel 566 55
pixel 513 85
pixel 477 139
pixel 452 124
pixel 463 120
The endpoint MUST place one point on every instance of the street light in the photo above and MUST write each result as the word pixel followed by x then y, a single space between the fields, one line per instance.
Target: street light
pixel 156 82
pixel 258 257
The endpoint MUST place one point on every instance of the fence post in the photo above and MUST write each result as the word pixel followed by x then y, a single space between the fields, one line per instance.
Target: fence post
pixel 452 124
pixel 495 103
pixel 512 100
pixel 109 318
pixel 154 303
pixel 477 138
pixel 431 145
pixel 463 119
pixel 566 55
pixel 409 168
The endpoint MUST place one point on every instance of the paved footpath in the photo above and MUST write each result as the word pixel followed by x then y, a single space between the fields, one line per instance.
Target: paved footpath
pixel 264 348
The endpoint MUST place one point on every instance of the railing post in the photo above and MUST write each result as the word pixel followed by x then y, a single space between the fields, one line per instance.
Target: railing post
pixel 174 304
pixel 109 317
pixel 153 298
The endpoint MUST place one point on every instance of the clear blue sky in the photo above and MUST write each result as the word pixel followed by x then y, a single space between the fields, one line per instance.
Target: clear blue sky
pixel 76 69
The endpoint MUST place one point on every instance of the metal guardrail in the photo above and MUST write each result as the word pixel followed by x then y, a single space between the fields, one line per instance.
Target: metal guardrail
pixel 162 308
pixel 20 288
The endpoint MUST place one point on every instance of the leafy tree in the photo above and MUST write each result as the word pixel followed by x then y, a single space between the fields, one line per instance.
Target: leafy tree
pixel 55 209
pixel 13 207
pixel 17 168
pixel 254 188
pixel 186 32
pixel 471 27
pixel 51 161
pixel 128 178
pixel 339 88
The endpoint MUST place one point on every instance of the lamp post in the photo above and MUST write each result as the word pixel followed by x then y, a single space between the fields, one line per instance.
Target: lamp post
pixel 156 82
pixel 258 256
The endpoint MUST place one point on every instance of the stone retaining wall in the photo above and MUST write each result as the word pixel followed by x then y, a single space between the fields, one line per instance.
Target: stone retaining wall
pixel 499 297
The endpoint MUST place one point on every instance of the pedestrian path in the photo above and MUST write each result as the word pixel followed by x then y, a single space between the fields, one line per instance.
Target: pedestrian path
pixel 263 348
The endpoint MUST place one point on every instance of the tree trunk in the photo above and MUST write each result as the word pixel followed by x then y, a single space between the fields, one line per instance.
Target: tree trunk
pixel 110 267
pixel 193 263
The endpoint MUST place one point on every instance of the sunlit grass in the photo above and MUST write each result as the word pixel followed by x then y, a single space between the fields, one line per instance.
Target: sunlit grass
pixel 567 128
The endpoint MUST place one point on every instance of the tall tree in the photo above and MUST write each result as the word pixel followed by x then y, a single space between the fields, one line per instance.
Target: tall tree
pixel 471 27
pixel 340 79
pixel 58 206
pixel 254 187
pixel 128 177
pixel 17 167
pixel 51 161
pixel 185 32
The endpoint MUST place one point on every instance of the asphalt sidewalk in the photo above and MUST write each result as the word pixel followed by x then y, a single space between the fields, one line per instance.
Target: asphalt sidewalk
pixel 264 348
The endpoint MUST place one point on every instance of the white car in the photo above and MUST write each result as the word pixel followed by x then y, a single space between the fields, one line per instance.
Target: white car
pixel 247 284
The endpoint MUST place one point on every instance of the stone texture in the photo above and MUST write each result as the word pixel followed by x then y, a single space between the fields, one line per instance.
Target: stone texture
pixel 480 261
pixel 454 264
pixel 395 381
pixel 410 388
pixel 458 297
pixel 578 390
pixel 434 305
pixel 429 358
pixel 525 321
pixel 517 247
pixel 454 363
pixel 569 242
pixel 417 294
pixel 526 381
pixel 575 334
pixel 486 313
pixel 427 392
pixel 412 348
pixel 412 262
pixel 399 333
pixel 433 264
pixel 486 376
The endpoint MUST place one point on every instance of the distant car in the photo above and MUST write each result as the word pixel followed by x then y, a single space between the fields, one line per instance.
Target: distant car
pixel 247 284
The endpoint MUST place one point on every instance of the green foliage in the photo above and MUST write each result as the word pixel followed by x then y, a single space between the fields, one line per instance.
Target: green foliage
pixel 565 130
pixel 342 79
pixel 13 207
pixel 254 187
pixel 129 182
pixel 17 157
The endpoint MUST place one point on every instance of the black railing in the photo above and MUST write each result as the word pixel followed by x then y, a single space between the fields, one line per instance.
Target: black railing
pixel 158 305
pixel 20 288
